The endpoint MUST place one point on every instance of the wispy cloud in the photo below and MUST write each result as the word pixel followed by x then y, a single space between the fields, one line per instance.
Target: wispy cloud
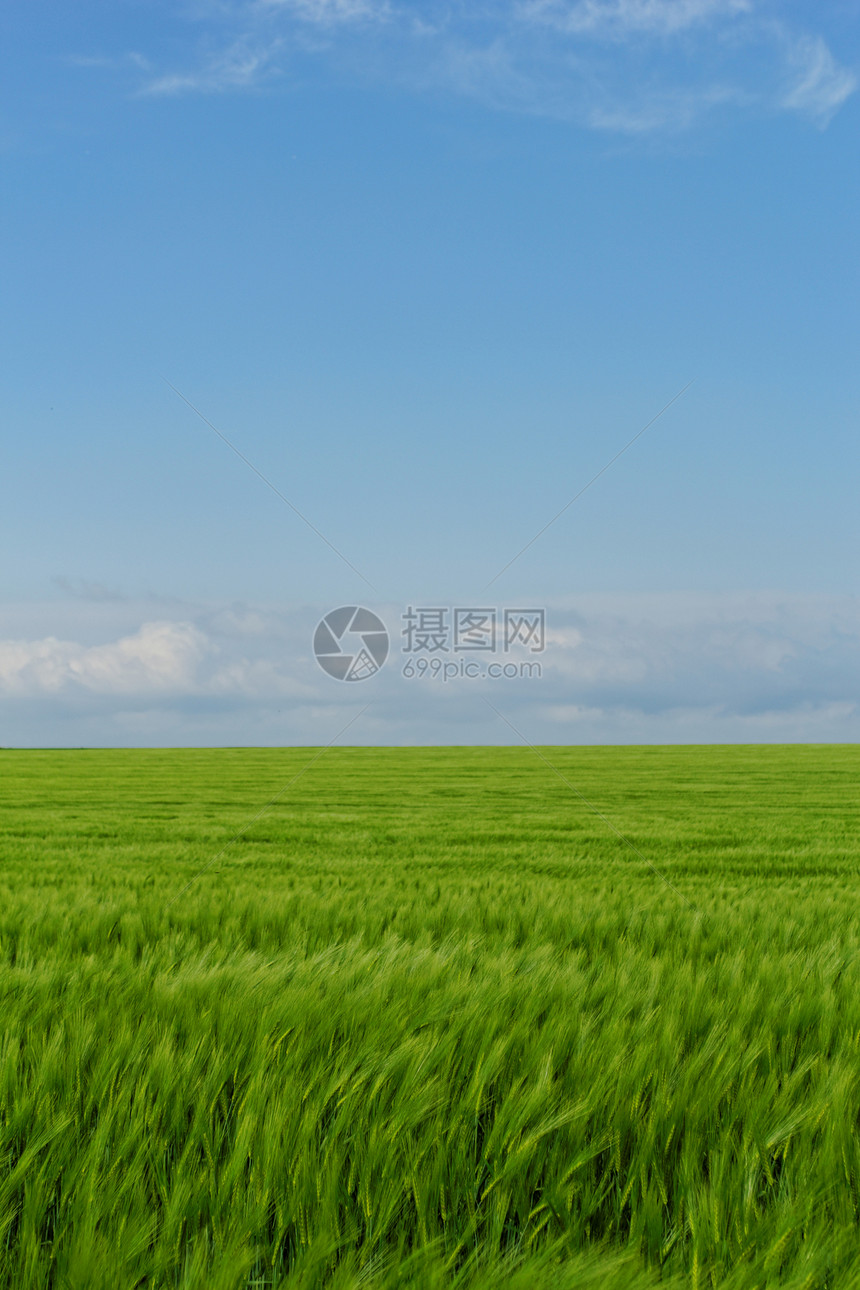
pixel 330 13
pixel 664 111
pixel 623 18
pixel 84 589
pixel 821 85
pixel 103 61
pixel 629 66
pixel 241 66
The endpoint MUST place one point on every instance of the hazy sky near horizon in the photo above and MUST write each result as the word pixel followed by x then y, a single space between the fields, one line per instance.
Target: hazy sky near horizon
pixel 429 267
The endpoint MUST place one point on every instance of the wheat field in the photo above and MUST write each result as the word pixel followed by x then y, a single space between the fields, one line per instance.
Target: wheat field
pixel 429 1021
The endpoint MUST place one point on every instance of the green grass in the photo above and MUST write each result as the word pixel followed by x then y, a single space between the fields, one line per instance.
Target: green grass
pixel 429 1022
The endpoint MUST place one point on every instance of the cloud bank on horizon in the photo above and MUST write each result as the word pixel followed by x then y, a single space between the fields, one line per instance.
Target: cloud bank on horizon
pixel 645 668
pixel 626 66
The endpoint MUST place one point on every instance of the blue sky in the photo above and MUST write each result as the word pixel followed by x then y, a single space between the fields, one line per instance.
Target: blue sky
pixel 429 267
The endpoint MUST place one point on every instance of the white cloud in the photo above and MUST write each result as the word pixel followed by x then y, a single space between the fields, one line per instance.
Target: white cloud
pixel 678 646
pixel 622 18
pixel 649 668
pixel 673 111
pixel 489 73
pixel 160 657
pixel 239 67
pixel 327 13
pixel 634 67
pixel 101 61
pixel 821 84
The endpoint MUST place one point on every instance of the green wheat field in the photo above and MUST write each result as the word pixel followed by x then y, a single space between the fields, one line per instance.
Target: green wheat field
pixel 429 1021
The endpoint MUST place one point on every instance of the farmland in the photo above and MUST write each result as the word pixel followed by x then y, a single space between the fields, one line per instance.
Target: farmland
pixel 429 1021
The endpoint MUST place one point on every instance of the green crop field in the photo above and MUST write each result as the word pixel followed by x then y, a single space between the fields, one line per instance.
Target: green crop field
pixel 430 1021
